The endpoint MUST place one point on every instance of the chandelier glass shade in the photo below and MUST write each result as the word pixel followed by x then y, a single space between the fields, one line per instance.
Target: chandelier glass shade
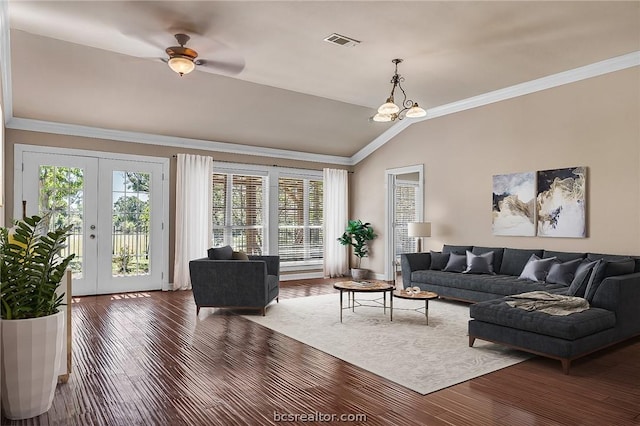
pixel 389 111
pixel 182 65
pixel 389 107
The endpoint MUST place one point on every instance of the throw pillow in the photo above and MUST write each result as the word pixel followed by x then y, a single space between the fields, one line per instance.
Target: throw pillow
pixel 514 260
pixel 239 255
pixel 607 268
pixel 563 273
pixel 498 253
pixel 220 253
pixel 438 260
pixel 537 269
pixel 583 273
pixel 479 264
pixel 456 263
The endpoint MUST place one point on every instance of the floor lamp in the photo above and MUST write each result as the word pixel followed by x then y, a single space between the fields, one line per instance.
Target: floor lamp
pixel 419 230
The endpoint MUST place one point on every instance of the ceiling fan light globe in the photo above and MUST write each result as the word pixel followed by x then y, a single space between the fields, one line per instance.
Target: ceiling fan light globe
pixel 382 118
pixel 388 107
pixel 416 112
pixel 181 65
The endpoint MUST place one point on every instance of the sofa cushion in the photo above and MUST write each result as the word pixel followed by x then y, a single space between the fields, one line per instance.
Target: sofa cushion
pixel 579 284
pixel 456 263
pixel 447 248
pixel 569 327
pixel 563 256
pixel 536 269
pixel 595 256
pixel 607 268
pixel 239 255
pixel 513 260
pixel 598 256
pixel 563 273
pixel 479 264
pixel 438 260
pixel 497 255
pixel 220 253
pixel 499 285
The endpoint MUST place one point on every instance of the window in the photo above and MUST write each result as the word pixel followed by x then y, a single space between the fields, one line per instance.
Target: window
pixel 299 219
pixel 269 210
pixel 238 212
pixel 61 200
pixel 130 236
pixel 405 212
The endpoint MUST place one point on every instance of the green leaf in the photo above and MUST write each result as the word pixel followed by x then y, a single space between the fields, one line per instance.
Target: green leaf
pixel 31 275
pixel 357 234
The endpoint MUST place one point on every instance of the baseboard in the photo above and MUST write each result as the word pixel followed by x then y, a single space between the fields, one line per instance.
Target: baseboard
pixel 380 277
pixel 301 276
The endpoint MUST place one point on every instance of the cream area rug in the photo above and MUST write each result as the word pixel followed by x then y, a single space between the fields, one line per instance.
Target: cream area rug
pixel 421 357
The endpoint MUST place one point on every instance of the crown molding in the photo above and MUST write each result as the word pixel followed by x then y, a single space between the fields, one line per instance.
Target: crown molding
pixel 385 137
pixel 152 139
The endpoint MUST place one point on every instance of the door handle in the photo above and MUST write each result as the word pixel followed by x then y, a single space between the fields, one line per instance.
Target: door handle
pixel 92 236
pixel 92 227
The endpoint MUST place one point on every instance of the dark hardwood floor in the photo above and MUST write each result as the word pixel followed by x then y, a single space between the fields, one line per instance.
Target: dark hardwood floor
pixel 145 359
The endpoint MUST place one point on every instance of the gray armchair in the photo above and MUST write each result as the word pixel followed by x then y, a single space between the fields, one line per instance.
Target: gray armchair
pixel 251 284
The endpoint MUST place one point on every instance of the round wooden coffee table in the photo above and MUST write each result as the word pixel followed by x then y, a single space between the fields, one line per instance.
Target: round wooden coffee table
pixel 353 287
pixel 422 295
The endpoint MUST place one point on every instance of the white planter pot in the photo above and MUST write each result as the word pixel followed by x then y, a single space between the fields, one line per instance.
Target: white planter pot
pixel 31 352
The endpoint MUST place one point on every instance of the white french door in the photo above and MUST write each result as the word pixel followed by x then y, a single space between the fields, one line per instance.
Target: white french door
pixel 117 210
pixel 403 204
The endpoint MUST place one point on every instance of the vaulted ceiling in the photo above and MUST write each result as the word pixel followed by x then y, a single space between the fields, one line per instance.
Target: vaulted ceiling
pixel 96 63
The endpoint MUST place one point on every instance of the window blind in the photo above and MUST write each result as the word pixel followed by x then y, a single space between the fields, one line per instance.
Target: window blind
pixel 405 212
pixel 238 212
pixel 299 219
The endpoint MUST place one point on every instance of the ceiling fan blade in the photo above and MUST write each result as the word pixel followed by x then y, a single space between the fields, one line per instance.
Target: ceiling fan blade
pixel 221 67
pixel 153 25
pixel 171 17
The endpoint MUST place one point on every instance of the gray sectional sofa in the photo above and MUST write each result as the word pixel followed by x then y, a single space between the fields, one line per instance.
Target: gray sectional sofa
pixel 614 304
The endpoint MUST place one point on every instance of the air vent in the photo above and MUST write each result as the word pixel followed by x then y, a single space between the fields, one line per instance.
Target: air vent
pixel 341 40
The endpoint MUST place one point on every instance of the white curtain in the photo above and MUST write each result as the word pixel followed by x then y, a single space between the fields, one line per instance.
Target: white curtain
pixel 336 211
pixel 193 214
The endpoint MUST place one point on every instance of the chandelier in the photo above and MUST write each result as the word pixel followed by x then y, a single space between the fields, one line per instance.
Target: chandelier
pixel 389 111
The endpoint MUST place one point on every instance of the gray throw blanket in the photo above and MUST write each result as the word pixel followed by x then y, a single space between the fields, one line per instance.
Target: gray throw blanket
pixel 552 304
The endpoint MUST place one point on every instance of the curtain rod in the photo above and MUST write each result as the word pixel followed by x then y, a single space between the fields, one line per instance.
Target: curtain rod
pixel 267 165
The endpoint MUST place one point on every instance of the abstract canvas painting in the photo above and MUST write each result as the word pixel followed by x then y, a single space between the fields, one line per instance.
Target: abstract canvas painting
pixel 514 204
pixel 561 202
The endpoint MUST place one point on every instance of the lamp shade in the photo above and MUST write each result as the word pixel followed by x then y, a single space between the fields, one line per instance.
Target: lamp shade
pixel 419 229
pixel 388 107
pixel 416 112
pixel 181 65
pixel 382 118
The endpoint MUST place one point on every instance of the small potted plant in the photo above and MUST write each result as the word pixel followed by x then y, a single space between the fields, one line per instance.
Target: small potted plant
pixel 357 235
pixel 31 270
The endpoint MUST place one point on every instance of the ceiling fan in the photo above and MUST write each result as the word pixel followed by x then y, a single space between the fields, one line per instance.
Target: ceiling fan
pixel 156 23
pixel 183 60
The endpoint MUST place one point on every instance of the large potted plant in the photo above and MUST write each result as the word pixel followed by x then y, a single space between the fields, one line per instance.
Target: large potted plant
pixel 357 234
pixel 31 270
